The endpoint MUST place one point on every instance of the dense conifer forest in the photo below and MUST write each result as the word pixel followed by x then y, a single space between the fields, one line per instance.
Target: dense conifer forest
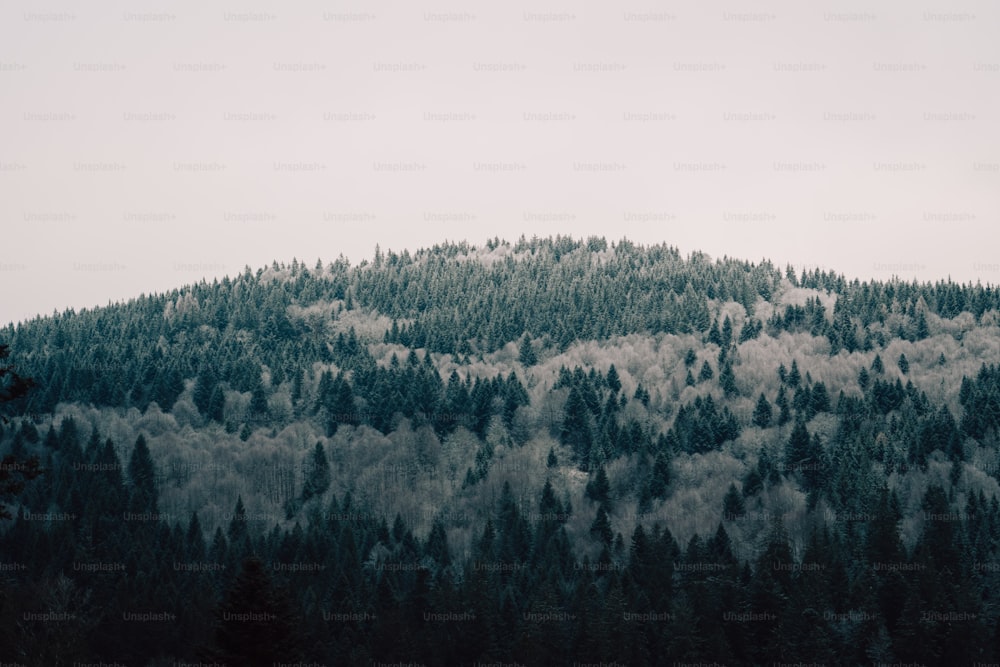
pixel 538 453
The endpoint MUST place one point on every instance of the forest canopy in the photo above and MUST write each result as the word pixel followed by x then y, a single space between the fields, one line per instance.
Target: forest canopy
pixel 519 451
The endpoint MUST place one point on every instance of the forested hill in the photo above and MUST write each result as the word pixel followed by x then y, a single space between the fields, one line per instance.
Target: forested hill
pixel 605 451
pixel 453 299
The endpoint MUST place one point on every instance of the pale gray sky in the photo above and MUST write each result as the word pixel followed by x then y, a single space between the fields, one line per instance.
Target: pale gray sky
pixel 147 145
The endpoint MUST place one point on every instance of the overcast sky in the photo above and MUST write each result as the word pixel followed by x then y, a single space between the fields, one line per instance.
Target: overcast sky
pixel 147 145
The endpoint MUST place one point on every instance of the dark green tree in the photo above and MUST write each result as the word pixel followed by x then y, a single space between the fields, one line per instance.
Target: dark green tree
pixel 204 385
pixel 576 429
pixel 601 528
pixel 660 478
pixel 142 476
pixel 820 398
pixel 255 624
pixel 762 414
pixel 706 372
pixel 727 380
pixel 864 379
pixel 552 461
pixel 527 352
pixel 317 474
pixel 877 366
pixel 599 488
pixel 794 377
pixel 614 383
pixel 733 506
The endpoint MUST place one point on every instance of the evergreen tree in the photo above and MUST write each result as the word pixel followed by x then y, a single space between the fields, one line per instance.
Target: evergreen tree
pixel 784 413
pixel 794 378
pixel 217 404
pixel 527 354
pixel 797 452
pixel 714 336
pixel 614 383
pixel 820 398
pixel 922 330
pixel 258 403
pixel 727 380
pixel 762 413
pixel 660 479
pixel 238 531
pixel 599 488
pixel 727 332
pixel 877 366
pixel 203 387
pixel 576 430
pixel 733 506
pixel 317 475
pixel 601 528
pixel 552 461
pixel 706 372
pixel 864 380
pixel 255 625
pixel 142 476
pixel 437 545
pixel 752 483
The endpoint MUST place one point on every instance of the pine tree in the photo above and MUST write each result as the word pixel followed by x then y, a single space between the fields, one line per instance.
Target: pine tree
pixel 752 483
pixel 437 545
pixel 576 431
pixel 877 366
pixel 599 488
pixel 614 383
pixel 527 354
pixel 142 476
pixel 727 332
pixel 258 403
pixel 797 451
pixel 820 398
pixel 660 478
pixel 194 541
pixel 318 475
pixel 763 413
pixel 784 413
pixel 713 334
pixel 923 331
pixel 217 404
pixel 733 506
pixel 706 372
pixel 238 530
pixel 794 378
pixel 727 380
pixel 601 528
pixel 255 624
pixel 203 387
pixel 864 379
pixel 904 365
